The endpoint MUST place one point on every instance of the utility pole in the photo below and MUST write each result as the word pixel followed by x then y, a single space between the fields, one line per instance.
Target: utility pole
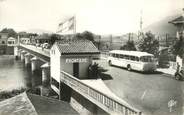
pixel 140 33
pixel 166 41
pixel 99 42
pixel 111 42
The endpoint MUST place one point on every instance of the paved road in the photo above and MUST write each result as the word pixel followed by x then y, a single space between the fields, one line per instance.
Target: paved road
pixel 148 92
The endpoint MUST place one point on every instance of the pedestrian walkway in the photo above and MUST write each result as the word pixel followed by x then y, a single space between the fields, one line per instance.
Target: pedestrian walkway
pixel 168 71
pixel 100 86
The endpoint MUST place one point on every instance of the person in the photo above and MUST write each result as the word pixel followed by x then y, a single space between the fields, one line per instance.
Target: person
pixel 178 68
pixel 177 74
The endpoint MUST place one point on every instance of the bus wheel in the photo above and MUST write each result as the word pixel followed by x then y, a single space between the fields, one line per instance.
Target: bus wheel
pixel 177 77
pixel 110 63
pixel 129 67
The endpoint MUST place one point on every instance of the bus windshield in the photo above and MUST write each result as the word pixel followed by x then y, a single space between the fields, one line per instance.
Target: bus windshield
pixel 147 59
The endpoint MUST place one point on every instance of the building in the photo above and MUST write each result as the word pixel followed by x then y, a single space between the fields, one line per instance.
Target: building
pixel 3 38
pixel 179 23
pixel 3 43
pixel 73 57
pixel 11 41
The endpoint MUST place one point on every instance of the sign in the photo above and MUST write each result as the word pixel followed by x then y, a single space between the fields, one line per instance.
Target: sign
pixel 75 60
pixel 171 103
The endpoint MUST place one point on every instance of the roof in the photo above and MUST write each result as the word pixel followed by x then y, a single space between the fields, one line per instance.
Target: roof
pixel 18 105
pixel 77 47
pixel 133 53
pixel 11 38
pixel 49 106
pixel 30 104
pixel 178 20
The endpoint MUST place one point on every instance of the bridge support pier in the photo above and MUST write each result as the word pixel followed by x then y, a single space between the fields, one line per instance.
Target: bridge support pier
pixel 27 59
pixel 35 64
pixel 19 53
pixel 16 52
pixel 46 74
pixel 22 55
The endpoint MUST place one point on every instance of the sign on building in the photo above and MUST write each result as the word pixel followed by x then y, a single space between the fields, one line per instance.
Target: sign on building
pixel 76 60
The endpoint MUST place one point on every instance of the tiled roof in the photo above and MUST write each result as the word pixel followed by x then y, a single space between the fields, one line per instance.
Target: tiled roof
pixel 178 20
pixel 77 47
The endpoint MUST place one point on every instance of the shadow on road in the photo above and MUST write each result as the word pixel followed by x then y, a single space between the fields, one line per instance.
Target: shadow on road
pixel 105 76
pixel 148 72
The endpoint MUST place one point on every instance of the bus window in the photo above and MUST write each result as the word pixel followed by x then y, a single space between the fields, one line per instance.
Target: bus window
pixel 127 57
pixel 117 55
pixel 132 58
pixel 121 56
pixel 113 55
pixel 147 59
pixel 136 58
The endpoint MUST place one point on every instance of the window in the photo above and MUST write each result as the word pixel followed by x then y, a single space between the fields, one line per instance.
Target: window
pixel 3 42
pixel 117 55
pixel 132 58
pixel 147 59
pixel 136 58
pixel 121 56
pixel 127 57
pixel 113 55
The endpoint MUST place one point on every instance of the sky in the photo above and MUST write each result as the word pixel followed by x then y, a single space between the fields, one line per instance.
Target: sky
pixel 97 16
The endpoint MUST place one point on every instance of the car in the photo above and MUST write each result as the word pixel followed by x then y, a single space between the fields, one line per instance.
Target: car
pixel 38 45
pixel 46 45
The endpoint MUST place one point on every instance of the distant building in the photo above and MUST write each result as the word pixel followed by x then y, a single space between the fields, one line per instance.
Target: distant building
pixel 179 23
pixel 3 43
pixel 3 38
pixel 11 41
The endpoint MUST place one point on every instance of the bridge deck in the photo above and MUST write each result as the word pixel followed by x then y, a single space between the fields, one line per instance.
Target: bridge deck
pixel 43 54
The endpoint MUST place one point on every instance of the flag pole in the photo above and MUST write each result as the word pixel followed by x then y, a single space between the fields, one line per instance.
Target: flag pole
pixel 75 24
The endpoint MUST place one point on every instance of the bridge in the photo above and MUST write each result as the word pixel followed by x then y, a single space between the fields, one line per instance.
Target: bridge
pixel 93 101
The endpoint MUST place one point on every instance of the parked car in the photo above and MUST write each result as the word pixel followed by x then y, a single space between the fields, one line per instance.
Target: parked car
pixel 46 45
pixel 38 45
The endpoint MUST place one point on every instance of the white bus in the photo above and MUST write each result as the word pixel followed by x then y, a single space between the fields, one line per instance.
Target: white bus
pixel 132 60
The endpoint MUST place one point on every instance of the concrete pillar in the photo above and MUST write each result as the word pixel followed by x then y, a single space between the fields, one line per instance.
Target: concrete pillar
pixel 16 51
pixel 27 59
pixel 34 64
pixel 45 89
pixel 46 74
pixel 19 52
pixel 22 56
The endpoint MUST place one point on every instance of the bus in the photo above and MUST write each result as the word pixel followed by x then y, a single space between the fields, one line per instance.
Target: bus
pixel 132 60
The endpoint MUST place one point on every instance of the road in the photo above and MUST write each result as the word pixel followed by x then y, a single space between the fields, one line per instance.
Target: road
pixel 149 93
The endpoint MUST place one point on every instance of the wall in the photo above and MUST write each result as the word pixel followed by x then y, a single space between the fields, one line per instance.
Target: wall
pixel 84 106
pixel 83 67
pixel 67 67
pixel 54 63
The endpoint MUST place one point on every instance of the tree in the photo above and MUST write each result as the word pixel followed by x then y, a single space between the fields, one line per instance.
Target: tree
pixel 149 44
pixel 88 36
pixel 10 31
pixel 178 47
pixel 130 46
pixel 54 37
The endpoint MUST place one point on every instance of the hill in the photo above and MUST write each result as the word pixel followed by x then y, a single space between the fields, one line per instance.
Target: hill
pixel 163 26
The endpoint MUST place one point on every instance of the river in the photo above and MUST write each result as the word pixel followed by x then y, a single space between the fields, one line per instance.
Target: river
pixel 14 74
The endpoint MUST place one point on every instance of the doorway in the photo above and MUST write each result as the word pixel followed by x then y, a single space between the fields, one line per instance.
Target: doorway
pixel 76 70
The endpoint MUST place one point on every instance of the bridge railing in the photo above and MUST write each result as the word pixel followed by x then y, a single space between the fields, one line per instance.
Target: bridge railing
pixel 109 104
pixel 40 50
